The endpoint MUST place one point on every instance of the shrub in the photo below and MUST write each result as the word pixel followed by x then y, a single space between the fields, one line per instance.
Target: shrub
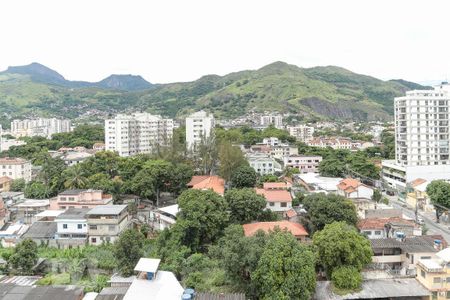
pixel 346 278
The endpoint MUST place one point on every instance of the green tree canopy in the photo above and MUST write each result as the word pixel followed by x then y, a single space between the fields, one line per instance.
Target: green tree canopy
pixel 128 250
pixel 245 205
pixel 325 209
pixel 339 244
pixel 24 257
pixel 244 176
pixel 439 193
pixel 202 218
pixel 286 269
pixel 230 159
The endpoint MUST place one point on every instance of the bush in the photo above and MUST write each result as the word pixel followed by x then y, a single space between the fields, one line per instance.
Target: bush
pixel 346 278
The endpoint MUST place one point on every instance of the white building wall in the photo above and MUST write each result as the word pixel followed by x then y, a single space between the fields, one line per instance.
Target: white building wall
pixel 277 206
pixel 198 125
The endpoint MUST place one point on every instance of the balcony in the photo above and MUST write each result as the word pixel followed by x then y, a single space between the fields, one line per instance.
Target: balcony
pixel 385 259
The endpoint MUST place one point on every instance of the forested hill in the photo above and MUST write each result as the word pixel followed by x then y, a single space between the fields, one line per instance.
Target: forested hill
pixel 326 92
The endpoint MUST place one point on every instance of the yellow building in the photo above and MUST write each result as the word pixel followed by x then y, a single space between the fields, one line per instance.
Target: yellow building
pixel 434 274
pixel 417 195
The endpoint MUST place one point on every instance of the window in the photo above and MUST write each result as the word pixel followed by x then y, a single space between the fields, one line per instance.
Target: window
pixel 271 204
pixel 377 232
pixel 434 295
pixel 93 227
pixel 283 204
pixel 64 226
pixel 447 295
pixel 437 280
pixel 79 226
pixel 422 273
pixel 94 240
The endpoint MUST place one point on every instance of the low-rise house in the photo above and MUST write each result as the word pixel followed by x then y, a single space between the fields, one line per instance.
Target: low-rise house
pixel 20 288
pixel 47 215
pixel 295 229
pixel 151 283
pixel 271 141
pixel 383 213
pixel 314 183
pixel 80 199
pixel 15 168
pixel 353 188
pixel 400 255
pixel 276 185
pixel 260 149
pixel 277 200
pixel 282 150
pixel 11 198
pixel 398 289
pixel 106 222
pixel 434 274
pixel 10 236
pixel 25 211
pixel 362 205
pixel 377 228
pixel 335 143
pixel 417 195
pixel 5 183
pixel 264 164
pixel 164 217
pixel 74 158
pixel 72 228
pixel 42 233
pixel 208 182
pixel 304 163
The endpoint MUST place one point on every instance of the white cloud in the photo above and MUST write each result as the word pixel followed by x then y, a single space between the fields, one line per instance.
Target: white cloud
pixel 179 40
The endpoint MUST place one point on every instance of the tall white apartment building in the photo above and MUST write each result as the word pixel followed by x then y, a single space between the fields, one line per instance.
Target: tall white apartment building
pixel 199 126
pixel 137 133
pixel 421 137
pixel 302 133
pixel 40 127
pixel 275 120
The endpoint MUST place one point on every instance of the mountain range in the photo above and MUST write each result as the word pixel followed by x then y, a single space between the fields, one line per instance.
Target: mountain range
pixel 321 92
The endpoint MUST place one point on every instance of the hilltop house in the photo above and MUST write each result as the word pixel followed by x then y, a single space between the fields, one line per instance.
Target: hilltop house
pixel 353 188
pixel 277 200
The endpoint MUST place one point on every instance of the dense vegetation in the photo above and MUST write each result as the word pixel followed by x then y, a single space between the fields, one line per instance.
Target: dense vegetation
pixel 329 92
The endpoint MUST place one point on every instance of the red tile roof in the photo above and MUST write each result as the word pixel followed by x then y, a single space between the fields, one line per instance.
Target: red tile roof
pixel 295 228
pixel 214 183
pixel 275 195
pixel 379 223
pixel 417 182
pixel 349 185
pixel 5 179
pixel 275 185
pixel 290 213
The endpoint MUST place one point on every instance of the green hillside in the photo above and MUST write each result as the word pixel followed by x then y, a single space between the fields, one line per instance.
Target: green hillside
pixel 327 92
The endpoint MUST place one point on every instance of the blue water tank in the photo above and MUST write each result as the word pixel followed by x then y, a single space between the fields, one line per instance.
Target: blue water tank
pixel 186 297
pixel 150 275
pixel 437 241
pixel 189 291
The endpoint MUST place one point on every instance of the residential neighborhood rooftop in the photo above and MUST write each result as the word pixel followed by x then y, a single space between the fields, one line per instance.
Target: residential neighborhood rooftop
pixel 295 228
pixel 107 210
pixel 215 183
pixel 73 214
pixel 275 195
pixel 41 229
pixel 412 244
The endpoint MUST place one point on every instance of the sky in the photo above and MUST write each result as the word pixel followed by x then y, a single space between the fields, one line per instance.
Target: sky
pixel 182 40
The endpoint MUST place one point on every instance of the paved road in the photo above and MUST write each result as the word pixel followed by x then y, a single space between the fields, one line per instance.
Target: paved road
pixel 429 219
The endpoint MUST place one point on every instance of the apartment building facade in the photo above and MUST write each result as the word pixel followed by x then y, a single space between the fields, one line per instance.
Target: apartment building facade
pixel 271 119
pixel 106 222
pixel 199 126
pixel 304 163
pixel 40 127
pixel 302 133
pixel 137 133
pixel 421 137
pixel 15 168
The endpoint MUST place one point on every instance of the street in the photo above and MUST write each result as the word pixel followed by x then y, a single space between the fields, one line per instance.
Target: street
pixel 429 218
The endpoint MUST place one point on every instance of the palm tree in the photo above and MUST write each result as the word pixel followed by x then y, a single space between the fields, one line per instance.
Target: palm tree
pixel 75 178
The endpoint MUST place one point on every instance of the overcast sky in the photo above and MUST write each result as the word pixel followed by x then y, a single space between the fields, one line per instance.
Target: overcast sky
pixel 168 40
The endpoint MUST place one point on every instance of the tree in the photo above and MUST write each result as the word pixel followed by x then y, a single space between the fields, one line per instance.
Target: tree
pixel 339 244
pixel 161 172
pixel 24 257
pixel 36 190
pixel 244 176
pixel 286 269
pixel 325 209
pixel 361 164
pixel 239 256
pixel 18 185
pixel 346 278
pixel 376 197
pixel 202 218
pixel 439 193
pixel 230 159
pixel 245 205
pixel 75 177
pixel 332 167
pixel 128 250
